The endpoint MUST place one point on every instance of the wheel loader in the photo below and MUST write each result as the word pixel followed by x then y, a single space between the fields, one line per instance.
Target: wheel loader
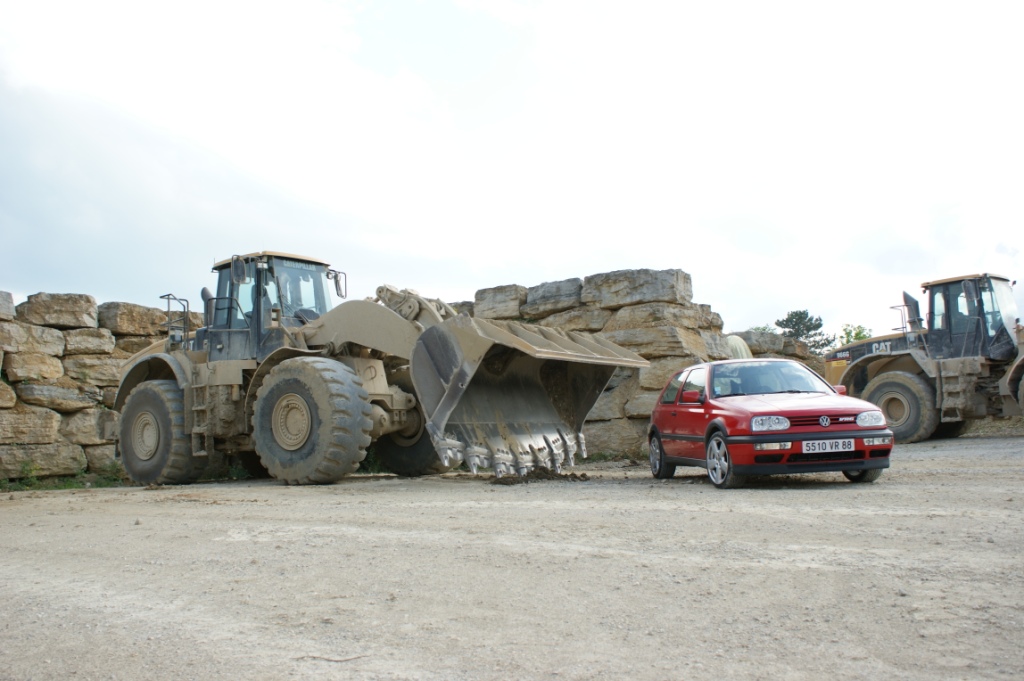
pixel 297 389
pixel 964 361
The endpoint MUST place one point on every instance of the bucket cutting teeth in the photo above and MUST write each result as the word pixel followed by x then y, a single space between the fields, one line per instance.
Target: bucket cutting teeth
pixel 510 396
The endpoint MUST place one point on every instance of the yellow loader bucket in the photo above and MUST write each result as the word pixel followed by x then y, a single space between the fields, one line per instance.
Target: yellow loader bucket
pixel 510 396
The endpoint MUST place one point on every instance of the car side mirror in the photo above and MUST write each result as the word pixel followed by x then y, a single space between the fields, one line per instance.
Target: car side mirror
pixel 841 389
pixel 691 396
pixel 238 273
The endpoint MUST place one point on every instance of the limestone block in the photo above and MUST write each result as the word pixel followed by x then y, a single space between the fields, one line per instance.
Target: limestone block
pixel 101 457
pixel 762 342
pixel 88 342
pixel 58 458
pixel 620 436
pixel 18 337
pixel 655 376
pixel 6 306
pixel 613 290
pixel 133 344
pixel 59 310
pixel 710 320
pixel 89 427
pixel 501 302
pixel 661 341
pixel 109 396
pixel 587 318
pixel 28 425
pixel 550 297
pixel 129 319
pixel 463 307
pixel 642 404
pixel 98 370
pixel 31 366
pixel 611 404
pixel 657 314
pixel 795 348
pixel 62 395
pixel 8 397
pixel 716 345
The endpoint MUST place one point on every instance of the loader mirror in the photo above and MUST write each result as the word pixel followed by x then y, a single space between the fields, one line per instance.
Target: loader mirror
pixel 340 283
pixel 238 275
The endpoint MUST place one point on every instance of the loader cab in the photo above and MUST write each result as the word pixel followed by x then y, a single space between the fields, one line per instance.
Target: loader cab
pixel 970 317
pixel 260 298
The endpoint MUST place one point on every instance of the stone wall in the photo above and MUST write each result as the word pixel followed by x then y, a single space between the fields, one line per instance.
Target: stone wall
pixel 60 361
pixel 650 312
pixel 61 354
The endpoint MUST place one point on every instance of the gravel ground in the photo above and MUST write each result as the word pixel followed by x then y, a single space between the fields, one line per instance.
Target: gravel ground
pixel 917 576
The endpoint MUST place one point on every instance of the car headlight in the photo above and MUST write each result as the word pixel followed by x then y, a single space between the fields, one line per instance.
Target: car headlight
pixel 769 423
pixel 870 418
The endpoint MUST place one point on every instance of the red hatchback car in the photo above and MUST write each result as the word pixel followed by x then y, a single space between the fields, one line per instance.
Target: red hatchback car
pixel 745 417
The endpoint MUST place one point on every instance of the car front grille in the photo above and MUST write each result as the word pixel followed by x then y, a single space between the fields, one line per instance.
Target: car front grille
pixel 824 456
pixel 843 420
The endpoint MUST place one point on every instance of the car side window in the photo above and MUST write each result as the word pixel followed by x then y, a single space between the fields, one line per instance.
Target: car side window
pixel 672 389
pixel 695 380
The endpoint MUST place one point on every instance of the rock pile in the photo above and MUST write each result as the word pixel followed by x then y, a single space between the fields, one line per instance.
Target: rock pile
pixel 650 312
pixel 61 356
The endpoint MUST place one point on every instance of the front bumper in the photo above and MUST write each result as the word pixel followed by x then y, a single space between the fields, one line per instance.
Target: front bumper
pixel 748 461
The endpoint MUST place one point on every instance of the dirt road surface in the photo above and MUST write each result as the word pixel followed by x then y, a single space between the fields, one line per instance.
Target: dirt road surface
pixel 917 576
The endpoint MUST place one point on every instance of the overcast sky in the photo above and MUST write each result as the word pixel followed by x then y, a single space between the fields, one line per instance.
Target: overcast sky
pixel 815 155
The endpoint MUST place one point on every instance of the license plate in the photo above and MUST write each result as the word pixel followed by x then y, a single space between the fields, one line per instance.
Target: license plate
pixel 817 446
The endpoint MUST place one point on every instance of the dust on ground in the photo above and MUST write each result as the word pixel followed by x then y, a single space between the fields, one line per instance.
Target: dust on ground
pixel 618 575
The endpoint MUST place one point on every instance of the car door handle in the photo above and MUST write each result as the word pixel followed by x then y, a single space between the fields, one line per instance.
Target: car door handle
pixel 673 413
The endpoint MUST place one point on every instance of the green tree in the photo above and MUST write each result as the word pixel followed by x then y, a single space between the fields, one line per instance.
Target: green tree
pixel 799 324
pixel 852 334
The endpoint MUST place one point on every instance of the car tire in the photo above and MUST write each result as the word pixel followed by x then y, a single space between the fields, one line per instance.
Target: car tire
pixel 907 402
pixel 153 444
pixel 311 422
pixel 659 468
pixel 869 475
pixel 719 464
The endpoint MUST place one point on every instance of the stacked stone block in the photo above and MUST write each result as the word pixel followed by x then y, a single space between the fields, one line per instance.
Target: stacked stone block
pixel 650 312
pixel 60 361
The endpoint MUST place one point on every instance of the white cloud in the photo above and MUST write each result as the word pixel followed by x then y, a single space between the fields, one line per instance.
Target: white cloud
pixel 789 155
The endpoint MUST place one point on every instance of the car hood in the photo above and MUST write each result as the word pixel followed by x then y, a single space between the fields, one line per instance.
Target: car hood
pixel 786 402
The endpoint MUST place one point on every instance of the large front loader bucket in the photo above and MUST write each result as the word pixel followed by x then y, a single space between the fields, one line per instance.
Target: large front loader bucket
pixel 510 396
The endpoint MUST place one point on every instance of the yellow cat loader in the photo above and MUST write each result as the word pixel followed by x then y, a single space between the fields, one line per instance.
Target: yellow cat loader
pixel 965 361
pixel 295 388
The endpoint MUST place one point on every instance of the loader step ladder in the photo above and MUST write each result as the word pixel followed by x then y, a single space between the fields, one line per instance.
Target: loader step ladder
pixel 956 392
pixel 202 440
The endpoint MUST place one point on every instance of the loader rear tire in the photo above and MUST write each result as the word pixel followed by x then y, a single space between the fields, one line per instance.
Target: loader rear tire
pixel 409 460
pixel 908 403
pixel 311 422
pixel 153 444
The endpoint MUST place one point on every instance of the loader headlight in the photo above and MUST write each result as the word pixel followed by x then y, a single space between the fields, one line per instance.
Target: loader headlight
pixel 870 418
pixel 769 423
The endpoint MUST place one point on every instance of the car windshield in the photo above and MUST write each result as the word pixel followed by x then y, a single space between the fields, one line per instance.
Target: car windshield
pixel 762 378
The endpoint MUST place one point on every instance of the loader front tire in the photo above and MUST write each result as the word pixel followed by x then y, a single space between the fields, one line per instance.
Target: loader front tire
pixel 908 403
pixel 153 444
pixel 311 422
pixel 409 460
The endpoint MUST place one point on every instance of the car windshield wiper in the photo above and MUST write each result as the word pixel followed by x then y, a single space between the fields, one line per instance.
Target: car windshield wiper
pixel 732 395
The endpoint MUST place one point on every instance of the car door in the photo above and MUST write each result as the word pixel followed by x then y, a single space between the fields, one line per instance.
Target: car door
pixel 666 414
pixel 690 422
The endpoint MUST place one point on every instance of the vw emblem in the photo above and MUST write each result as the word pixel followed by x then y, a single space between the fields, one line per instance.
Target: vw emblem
pixel 825 421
